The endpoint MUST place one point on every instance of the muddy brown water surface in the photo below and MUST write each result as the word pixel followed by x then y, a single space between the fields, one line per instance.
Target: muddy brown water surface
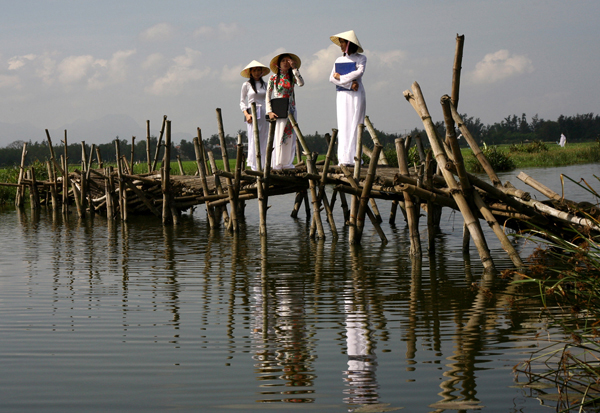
pixel 102 316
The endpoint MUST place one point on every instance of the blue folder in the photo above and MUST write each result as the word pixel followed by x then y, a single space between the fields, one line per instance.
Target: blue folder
pixel 344 69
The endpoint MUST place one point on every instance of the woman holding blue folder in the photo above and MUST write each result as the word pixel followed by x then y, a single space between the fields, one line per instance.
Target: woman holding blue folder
pixel 351 99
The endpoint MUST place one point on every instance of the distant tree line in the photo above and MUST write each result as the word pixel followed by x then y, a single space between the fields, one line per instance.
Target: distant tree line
pixel 511 130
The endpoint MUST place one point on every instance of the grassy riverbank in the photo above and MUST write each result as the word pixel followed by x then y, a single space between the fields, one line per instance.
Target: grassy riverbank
pixel 571 154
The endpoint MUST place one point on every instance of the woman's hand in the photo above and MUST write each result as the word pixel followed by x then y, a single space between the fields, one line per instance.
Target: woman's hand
pixel 354 86
pixel 336 76
pixel 272 115
pixel 248 117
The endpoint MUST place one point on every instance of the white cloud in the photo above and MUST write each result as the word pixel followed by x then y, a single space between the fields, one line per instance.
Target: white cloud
pixel 17 62
pixel 222 31
pixel 500 65
pixel 179 75
pixel 160 31
pixel 109 72
pixel 153 61
pixel 74 68
pixel 319 68
pixel 9 82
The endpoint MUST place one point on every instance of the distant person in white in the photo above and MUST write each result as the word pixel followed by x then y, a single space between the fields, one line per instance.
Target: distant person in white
pixel 351 100
pixel 563 140
pixel 254 90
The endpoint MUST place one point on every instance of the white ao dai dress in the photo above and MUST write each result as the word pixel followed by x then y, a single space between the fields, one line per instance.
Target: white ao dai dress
pixel 258 97
pixel 351 107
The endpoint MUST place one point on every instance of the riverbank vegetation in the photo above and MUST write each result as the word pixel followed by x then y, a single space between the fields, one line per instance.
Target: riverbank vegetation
pixel 567 276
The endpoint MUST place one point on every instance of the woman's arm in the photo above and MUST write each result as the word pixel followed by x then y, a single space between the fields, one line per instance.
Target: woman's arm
pixel 244 104
pixel 298 77
pixel 361 64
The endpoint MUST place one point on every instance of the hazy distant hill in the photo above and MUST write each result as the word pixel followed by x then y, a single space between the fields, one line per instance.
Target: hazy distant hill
pixel 98 131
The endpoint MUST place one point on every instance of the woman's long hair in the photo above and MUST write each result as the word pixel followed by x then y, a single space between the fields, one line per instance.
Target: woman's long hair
pixel 352 48
pixel 253 83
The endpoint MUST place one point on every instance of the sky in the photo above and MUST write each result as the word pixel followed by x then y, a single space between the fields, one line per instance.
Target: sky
pixel 67 61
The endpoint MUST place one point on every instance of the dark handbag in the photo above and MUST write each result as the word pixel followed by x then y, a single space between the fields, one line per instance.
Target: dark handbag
pixel 279 106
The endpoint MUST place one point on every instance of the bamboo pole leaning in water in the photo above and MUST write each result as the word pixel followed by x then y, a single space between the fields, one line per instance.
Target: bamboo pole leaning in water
pixel 468 190
pixel 148 159
pixel 210 212
pixel 311 169
pixel 122 198
pixel 220 211
pixel 323 182
pixel 21 188
pixel 158 143
pixel 65 181
pixel 225 158
pixel 418 103
pixel 357 191
pixel 356 176
pixel 52 179
pixel 364 197
pixel 412 214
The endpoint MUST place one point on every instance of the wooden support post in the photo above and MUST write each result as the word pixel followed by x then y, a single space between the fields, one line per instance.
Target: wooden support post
pixel 33 192
pixel 168 215
pixel 132 159
pixel 99 158
pixel 160 138
pixel 148 159
pixel 65 181
pixel 109 186
pixel 412 213
pixel 322 194
pixel 364 198
pixel 52 155
pixel 311 168
pixel 90 202
pixel 213 164
pixel 458 54
pixel 122 197
pixel 21 188
pixel 181 171
pixel 382 160
pixel 356 176
pixel 210 212
pixel 52 179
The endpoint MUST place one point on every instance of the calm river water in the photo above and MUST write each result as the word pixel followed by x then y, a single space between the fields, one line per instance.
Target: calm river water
pixel 101 316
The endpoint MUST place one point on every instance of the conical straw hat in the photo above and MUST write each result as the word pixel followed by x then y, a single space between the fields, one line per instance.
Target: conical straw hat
pixel 254 63
pixel 273 63
pixel 348 36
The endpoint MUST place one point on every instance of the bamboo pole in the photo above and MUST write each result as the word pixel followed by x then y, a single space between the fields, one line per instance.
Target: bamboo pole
pixel 65 181
pixel 148 159
pixel 99 158
pixel 159 142
pixel 210 212
pixel 181 171
pixel 33 191
pixel 311 168
pixel 420 149
pixel 52 179
pixel 323 182
pixel 364 198
pixel 122 197
pixel 418 103
pixel 382 160
pixel 356 176
pixel 218 186
pixel 460 41
pixel 109 187
pixel 132 161
pixel 21 189
pixel 256 142
pixel 167 213
pixel 357 192
pixel 52 155
pixel 223 145
pixel 412 214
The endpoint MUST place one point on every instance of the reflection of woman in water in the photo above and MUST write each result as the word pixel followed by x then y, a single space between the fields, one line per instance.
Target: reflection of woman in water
pixel 254 90
pixel 281 85
pixel 351 99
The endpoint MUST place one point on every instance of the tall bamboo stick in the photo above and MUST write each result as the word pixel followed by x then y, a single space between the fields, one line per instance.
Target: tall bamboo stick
pixel 311 168
pixel 364 198
pixel 202 172
pixel 356 176
pixel 122 197
pixel 160 138
pixel 460 41
pixel 132 161
pixel 148 159
pixel 412 214
pixel 20 188
pixel 65 181
pixel 382 160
